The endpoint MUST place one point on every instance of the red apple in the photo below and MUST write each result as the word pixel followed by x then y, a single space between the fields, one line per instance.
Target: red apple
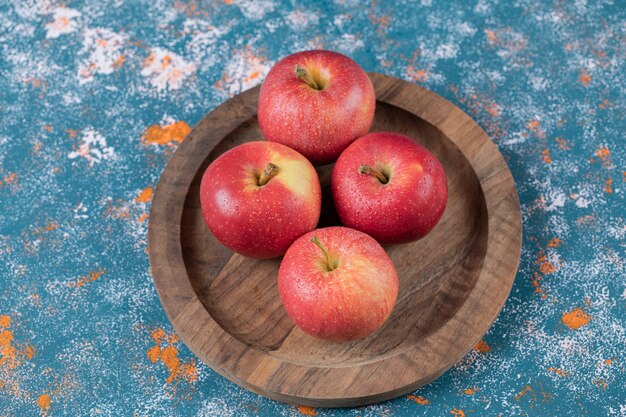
pixel 316 102
pixel 259 197
pixel 390 187
pixel 337 284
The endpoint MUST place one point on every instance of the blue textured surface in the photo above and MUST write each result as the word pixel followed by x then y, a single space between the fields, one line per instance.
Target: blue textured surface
pixel 95 96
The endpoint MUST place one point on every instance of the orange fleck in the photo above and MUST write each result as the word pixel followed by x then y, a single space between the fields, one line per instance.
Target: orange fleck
pixel 382 22
pixel 523 392
pixel 417 75
pixel 119 61
pixel 562 144
pixel 584 77
pixel 305 410
pixel 158 335
pixel 47 128
pixel 607 362
pixel 575 318
pixel 605 104
pixel 624 176
pixel 189 371
pixel 558 371
pixel 5 322
pixel 29 352
pixel 457 412
pixel 252 76
pixel 228 1
pixel 546 267
pixel 154 353
pixel 555 242
pixel 8 353
pixel 11 178
pixel 600 383
pixel 35 82
pixel 37 147
pixel 482 347
pixel 172 338
pixel 166 135
pixel 168 355
pixel 102 42
pixel 588 220
pixel 143 217
pixel 166 61
pixel 493 109
pixel 47 228
pixel 418 399
pixel 546 156
pixel 149 60
pixel 72 133
pixel 82 281
pixel 44 403
pixel 470 391
pixel 605 156
pixel 89 70
pixel 608 186
pixel 535 127
pixel 145 196
pixel 537 284
pixel 491 36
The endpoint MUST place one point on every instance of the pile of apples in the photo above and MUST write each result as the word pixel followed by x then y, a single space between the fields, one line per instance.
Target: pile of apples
pixel 263 199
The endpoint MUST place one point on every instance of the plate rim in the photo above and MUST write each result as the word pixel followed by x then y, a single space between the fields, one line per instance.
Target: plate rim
pixel 191 320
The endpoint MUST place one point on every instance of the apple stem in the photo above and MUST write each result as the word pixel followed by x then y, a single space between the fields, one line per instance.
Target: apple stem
pixel 366 169
pixel 268 173
pixel 331 263
pixel 306 77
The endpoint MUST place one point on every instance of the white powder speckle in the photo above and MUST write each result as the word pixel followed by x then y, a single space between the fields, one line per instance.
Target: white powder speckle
pixel 538 83
pixel 256 9
pixel 555 199
pixel 204 40
pixel 93 147
pixel 166 70
pixel 102 51
pixel 348 43
pixel 447 51
pixel 64 22
pixel 300 19
pixel 465 29
pixel 243 71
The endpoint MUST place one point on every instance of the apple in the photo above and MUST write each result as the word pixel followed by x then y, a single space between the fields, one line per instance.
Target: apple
pixel 337 284
pixel 316 102
pixel 257 198
pixel 390 187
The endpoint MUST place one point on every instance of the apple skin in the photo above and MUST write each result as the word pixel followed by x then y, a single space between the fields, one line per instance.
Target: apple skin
pixel 347 303
pixel 319 124
pixel 260 221
pixel 406 208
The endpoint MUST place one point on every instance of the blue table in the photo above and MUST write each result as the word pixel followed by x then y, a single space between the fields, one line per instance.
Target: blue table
pixel 95 97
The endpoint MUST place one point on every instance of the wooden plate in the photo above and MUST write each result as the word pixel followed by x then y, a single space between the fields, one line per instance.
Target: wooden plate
pixel 453 283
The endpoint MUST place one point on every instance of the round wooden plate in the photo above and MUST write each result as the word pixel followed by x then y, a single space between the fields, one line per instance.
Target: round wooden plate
pixel 453 283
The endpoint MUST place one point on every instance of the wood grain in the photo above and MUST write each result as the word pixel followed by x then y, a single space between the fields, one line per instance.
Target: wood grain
pixel 453 283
